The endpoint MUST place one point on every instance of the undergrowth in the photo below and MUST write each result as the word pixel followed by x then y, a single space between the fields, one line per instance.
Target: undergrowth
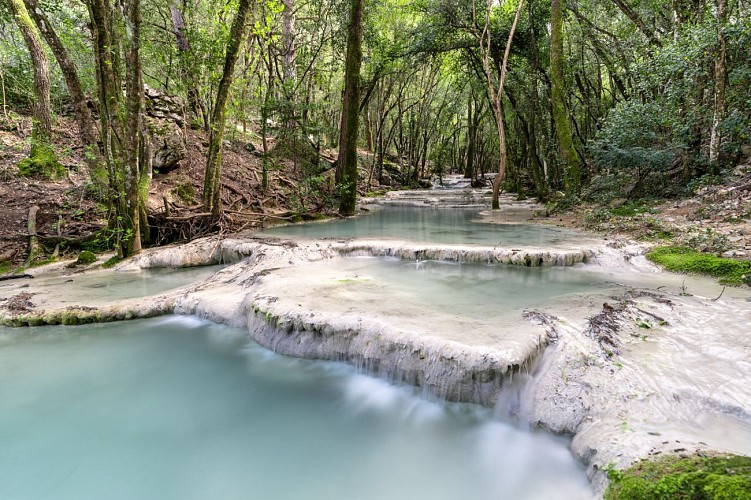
pixel 687 260
pixel 723 477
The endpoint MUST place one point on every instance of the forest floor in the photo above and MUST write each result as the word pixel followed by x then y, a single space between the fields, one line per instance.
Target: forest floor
pixel 69 206
pixel 717 219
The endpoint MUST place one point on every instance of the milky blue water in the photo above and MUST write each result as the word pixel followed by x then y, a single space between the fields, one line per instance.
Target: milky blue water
pixel 177 408
pixel 426 225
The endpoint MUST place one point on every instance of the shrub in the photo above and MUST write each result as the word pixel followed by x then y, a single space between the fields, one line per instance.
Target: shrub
pixel 723 477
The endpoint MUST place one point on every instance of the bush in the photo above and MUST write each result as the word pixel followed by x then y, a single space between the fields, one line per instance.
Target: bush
pixel 724 477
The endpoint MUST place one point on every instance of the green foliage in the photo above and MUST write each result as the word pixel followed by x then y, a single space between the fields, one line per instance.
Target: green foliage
pixel 634 149
pixel 687 260
pixel 41 162
pixel 725 477
pixel 85 258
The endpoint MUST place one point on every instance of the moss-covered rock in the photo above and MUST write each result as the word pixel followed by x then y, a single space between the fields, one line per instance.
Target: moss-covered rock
pixel 42 161
pixel 687 260
pixel 722 477
pixel 85 258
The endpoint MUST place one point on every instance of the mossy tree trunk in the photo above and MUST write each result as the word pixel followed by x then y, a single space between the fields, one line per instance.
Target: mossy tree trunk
pixel 42 126
pixel 125 137
pixel 572 169
pixel 212 183
pixel 351 111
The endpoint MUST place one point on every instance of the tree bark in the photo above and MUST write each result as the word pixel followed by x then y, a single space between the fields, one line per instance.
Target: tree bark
pixel 212 185
pixel 42 128
pixel 351 110
pixel 572 170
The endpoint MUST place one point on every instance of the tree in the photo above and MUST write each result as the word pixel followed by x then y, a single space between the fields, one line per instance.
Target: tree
pixel 41 149
pixel 495 93
pixel 212 183
pixel 572 171
pixel 351 110
pixel 720 77
pixel 116 32
pixel 78 99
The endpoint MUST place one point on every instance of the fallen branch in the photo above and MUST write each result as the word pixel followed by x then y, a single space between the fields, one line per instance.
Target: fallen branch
pixel 15 276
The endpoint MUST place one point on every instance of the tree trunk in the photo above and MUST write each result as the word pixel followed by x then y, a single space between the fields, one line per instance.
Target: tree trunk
pixel 212 185
pixel 289 53
pixel 720 77
pixel 538 173
pixel 42 128
pixel 496 95
pixel 183 47
pixel 471 133
pixel 350 110
pixel 125 138
pixel 572 170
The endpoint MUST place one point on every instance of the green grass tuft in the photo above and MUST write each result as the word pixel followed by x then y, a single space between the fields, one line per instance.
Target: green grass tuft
pixel 686 260
pixel 723 477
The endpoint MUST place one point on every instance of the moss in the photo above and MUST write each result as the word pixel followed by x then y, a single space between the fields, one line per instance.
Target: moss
pixel 42 262
pixel 42 161
pixel 722 477
pixel 5 267
pixel 85 258
pixel 186 192
pixel 684 259
pixel 111 262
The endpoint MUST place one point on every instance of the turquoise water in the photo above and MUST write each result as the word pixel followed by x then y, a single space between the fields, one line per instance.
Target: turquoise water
pixel 426 225
pixel 106 285
pixel 177 408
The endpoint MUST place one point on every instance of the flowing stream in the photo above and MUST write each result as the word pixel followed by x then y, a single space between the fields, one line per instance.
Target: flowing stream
pixel 179 408
pixel 427 225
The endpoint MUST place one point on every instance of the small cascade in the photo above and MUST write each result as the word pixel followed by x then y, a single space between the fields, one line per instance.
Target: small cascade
pixel 516 399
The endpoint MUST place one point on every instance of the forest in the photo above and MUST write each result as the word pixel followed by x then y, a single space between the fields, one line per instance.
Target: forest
pixel 565 101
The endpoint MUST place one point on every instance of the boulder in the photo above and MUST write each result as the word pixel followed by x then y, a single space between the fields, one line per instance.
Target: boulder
pixel 168 144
